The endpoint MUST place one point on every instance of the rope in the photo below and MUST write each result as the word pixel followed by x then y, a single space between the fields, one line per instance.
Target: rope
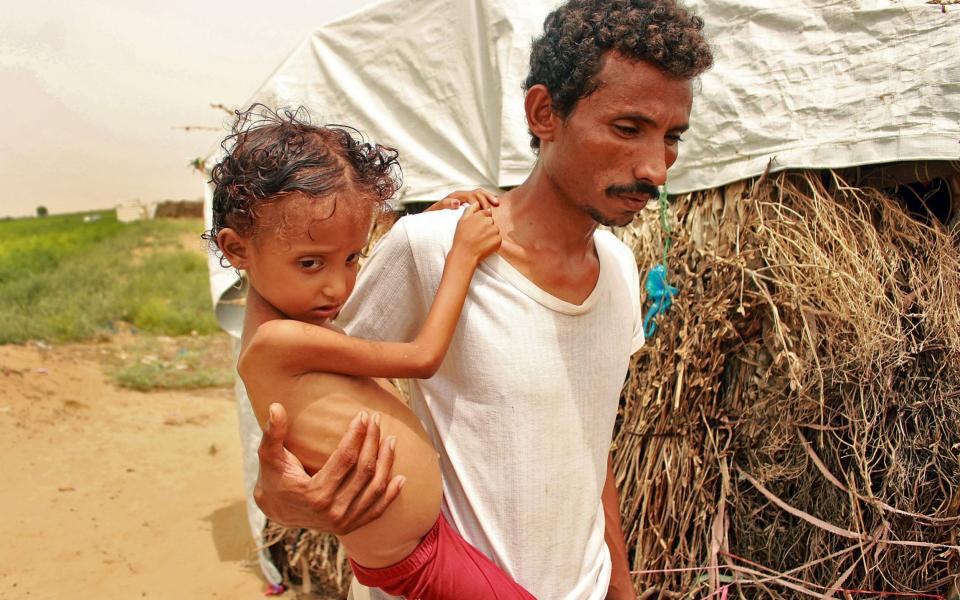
pixel 659 291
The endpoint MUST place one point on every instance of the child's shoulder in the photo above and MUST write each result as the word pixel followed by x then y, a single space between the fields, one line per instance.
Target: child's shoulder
pixel 279 333
pixel 272 341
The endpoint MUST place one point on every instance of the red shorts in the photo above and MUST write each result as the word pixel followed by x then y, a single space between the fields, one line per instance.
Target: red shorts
pixel 443 566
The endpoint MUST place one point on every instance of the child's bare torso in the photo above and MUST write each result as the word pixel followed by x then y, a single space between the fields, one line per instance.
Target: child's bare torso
pixel 320 407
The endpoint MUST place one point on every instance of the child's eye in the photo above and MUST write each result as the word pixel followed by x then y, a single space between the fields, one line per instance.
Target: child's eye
pixel 310 264
pixel 354 258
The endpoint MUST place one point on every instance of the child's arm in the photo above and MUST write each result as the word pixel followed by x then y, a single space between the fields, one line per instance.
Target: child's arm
pixel 301 347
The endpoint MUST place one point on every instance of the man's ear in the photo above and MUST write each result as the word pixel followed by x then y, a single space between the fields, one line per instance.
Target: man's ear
pixel 541 119
pixel 235 248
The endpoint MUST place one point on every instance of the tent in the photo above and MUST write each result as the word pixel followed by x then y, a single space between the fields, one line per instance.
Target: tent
pixel 800 84
pixel 807 84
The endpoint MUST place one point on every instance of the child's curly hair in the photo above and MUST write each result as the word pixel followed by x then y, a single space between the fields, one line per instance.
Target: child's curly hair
pixel 576 36
pixel 273 153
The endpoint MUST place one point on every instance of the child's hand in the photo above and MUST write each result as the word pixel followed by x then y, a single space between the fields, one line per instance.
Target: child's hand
pixel 478 197
pixel 477 236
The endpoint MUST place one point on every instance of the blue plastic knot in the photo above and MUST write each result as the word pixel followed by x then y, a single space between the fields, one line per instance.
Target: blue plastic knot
pixel 661 294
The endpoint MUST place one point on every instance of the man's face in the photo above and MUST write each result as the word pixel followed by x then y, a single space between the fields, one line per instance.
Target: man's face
pixel 614 148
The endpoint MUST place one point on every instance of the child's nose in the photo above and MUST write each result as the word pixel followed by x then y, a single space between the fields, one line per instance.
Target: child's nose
pixel 334 288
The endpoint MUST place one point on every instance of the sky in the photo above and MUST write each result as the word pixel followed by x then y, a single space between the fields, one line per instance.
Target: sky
pixel 94 95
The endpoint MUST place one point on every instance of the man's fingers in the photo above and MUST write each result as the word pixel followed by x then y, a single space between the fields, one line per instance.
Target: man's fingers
pixel 377 509
pixel 271 445
pixel 367 462
pixel 346 455
pixel 377 486
pixel 277 422
pixel 366 467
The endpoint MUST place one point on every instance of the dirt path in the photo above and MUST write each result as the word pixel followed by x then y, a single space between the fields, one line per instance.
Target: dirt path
pixel 108 493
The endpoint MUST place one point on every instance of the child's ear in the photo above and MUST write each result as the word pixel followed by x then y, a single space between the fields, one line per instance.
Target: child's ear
pixel 235 248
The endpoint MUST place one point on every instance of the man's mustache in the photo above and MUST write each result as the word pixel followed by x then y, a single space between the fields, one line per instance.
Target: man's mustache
pixel 638 187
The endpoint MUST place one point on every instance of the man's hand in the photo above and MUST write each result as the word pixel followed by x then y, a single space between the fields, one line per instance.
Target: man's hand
pixel 349 491
pixel 480 197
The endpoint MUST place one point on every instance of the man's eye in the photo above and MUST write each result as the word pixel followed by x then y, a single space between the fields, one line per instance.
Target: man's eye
pixel 674 139
pixel 310 263
pixel 626 129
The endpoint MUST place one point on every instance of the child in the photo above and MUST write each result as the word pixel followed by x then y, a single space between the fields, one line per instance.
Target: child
pixel 293 207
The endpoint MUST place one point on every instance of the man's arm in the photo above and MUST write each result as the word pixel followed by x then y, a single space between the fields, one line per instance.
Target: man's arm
pixel 621 586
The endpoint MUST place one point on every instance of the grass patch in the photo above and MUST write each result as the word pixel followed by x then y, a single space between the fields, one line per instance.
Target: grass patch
pixel 72 277
pixel 147 362
pixel 36 245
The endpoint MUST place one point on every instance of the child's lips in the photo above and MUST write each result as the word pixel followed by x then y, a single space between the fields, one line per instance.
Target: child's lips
pixel 326 312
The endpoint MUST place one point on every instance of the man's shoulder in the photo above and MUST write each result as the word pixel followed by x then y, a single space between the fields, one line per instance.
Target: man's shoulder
pixel 433 222
pixel 425 237
pixel 429 232
pixel 607 242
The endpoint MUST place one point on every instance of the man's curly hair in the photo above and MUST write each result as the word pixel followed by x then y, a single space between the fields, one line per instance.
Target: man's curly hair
pixel 577 35
pixel 270 154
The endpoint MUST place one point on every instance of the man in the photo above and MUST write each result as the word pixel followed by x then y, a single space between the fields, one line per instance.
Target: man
pixel 522 410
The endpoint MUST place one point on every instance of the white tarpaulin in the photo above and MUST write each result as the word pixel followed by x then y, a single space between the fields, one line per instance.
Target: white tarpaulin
pixel 802 83
pixel 796 84
pixel 439 80
pixel 822 84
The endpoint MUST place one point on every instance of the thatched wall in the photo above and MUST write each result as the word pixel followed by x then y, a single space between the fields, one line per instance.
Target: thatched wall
pixel 792 428
pixel 312 564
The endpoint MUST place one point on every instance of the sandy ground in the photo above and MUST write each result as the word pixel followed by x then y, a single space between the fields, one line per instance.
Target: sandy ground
pixel 109 493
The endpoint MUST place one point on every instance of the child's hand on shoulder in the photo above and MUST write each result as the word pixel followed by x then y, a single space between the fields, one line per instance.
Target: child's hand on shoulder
pixel 478 197
pixel 477 235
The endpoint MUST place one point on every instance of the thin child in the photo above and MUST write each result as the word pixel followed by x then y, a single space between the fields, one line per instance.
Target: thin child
pixel 293 207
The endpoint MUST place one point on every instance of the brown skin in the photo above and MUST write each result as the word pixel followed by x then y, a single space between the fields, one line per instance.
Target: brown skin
pixel 626 132
pixel 301 272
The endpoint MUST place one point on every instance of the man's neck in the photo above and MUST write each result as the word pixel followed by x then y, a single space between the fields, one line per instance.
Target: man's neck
pixel 548 239
pixel 539 219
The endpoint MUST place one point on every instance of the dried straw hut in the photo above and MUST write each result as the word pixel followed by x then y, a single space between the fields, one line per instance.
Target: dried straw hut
pixel 790 430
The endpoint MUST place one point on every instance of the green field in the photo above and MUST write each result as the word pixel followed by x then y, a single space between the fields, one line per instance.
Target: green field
pixel 81 277
pixel 64 279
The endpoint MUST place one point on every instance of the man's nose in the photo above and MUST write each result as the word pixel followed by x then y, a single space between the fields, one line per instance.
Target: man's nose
pixel 651 166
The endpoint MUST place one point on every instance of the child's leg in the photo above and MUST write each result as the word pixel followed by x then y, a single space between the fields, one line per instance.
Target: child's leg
pixel 443 567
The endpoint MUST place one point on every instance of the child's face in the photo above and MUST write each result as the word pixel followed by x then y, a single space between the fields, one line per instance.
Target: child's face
pixel 308 269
